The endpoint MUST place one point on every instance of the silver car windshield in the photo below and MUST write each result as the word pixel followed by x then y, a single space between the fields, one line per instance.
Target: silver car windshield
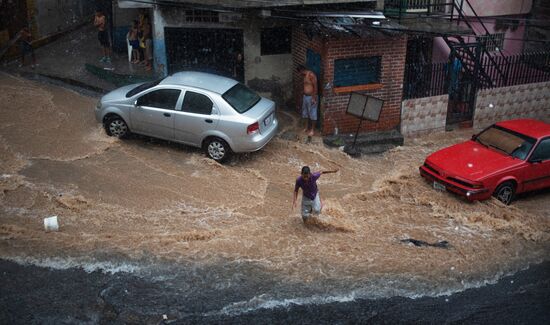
pixel 241 98
pixel 143 87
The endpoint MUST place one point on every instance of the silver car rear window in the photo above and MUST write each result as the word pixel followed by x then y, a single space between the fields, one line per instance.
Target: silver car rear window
pixel 143 87
pixel 241 98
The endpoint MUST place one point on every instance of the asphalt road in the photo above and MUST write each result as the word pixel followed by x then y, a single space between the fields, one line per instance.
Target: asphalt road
pixel 36 295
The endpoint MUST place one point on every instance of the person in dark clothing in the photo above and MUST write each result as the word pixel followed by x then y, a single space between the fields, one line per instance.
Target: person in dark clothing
pixel 238 67
pixel 25 38
pixel 100 22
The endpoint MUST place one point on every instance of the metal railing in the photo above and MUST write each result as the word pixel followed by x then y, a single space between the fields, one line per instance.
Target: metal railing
pixel 427 80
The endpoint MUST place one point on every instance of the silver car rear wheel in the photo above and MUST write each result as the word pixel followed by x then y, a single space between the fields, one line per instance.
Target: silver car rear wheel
pixel 117 127
pixel 218 149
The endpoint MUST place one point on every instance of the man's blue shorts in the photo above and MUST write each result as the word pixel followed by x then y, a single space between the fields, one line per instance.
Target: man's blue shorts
pixel 309 110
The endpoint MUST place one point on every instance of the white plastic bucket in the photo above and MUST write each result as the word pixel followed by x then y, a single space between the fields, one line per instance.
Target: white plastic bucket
pixel 50 224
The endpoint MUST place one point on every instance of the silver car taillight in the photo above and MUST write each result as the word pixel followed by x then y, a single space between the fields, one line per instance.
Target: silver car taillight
pixel 253 128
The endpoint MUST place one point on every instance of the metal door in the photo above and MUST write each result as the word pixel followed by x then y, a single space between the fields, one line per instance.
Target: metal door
pixel 196 117
pixel 462 81
pixel 313 63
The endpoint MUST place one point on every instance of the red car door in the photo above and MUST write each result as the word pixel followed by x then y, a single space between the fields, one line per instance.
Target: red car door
pixel 537 171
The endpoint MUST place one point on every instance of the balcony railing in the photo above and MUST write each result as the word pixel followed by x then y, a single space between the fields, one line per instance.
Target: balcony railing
pixel 417 6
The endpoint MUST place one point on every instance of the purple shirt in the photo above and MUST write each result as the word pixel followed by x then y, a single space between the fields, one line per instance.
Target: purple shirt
pixel 309 188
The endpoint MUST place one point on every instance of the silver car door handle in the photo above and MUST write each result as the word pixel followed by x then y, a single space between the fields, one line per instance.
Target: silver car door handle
pixel 167 114
pixel 208 120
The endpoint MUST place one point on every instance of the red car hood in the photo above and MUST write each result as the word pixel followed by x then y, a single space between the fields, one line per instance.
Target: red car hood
pixel 471 160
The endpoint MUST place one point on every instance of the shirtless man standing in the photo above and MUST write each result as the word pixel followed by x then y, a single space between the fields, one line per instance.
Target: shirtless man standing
pixel 309 101
pixel 102 35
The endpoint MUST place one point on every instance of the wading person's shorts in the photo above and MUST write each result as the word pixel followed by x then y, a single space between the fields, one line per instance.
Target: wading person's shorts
pixel 310 206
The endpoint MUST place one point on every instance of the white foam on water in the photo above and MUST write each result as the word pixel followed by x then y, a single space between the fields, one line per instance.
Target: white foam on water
pixel 59 263
pixel 379 291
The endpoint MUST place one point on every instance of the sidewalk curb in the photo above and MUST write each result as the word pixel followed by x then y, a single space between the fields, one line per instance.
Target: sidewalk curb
pixel 74 82
pixel 62 80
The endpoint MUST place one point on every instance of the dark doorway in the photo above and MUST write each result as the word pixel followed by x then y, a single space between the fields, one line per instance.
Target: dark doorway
pixel 313 63
pixel 13 17
pixel 462 82
pixel 204 49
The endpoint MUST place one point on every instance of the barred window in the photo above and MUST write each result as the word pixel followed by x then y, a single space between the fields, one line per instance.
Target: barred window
pixel 492 42
pixel 275 41
pixel 357 71
pixel 201 16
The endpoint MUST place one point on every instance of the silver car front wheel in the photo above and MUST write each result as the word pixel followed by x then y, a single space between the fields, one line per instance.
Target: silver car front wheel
pixel 117 127
pixel 218 149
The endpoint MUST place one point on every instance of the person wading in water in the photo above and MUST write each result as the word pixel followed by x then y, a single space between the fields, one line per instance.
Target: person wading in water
pixel 311 202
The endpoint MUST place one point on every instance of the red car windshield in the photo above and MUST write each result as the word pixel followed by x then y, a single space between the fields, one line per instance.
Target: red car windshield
pixel 506 141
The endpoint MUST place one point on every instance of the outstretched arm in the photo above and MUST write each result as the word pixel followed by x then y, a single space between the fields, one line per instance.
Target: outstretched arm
pixel 294 200
pixel 329 171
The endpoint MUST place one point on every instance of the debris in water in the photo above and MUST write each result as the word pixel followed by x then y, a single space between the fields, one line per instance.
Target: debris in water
pixel 50 224
pixel 416 242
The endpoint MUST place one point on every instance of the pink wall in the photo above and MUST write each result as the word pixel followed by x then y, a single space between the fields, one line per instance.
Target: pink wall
pixel 513 43
pixel 487 8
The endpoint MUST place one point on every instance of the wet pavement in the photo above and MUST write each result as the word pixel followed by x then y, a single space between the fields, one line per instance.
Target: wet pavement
pixel 67 57
pixel 41 295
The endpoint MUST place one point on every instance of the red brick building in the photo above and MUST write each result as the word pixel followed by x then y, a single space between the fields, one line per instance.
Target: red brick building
pixel 339 60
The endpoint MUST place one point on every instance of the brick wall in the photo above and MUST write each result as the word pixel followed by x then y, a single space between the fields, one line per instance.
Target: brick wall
pixel 523 101
pixel 333 105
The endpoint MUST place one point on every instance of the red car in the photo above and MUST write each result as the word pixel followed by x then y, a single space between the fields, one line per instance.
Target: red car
pixel 507 158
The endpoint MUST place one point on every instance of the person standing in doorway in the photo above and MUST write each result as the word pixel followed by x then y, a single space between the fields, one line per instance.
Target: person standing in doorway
pixel 307 181
pixel 309 100
pixel 148 43
pixel 134 41
pixel 100 22
pixel 26 47
pixel 238 67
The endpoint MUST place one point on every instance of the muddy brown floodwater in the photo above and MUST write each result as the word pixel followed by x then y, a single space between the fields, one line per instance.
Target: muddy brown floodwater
pixel 132 203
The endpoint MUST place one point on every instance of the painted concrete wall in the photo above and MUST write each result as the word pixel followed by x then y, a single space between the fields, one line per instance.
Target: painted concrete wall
pixel 513 42
pixel 486 8
pixel 158 22
pixel 271 75
pixel 53 16
pixel 266 71
pixel 523 101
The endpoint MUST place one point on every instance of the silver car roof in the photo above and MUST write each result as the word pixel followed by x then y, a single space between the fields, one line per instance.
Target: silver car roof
pixel 207 81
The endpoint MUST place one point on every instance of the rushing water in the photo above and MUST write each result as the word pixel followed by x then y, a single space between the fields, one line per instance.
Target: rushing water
pixel 166 213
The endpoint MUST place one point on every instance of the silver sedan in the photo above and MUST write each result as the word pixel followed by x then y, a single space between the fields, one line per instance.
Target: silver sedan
pixel 203 110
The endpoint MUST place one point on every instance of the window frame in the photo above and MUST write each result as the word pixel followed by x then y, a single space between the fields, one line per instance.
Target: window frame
pixel 532 158
pixel 160 89
pixel 212 109
pixel 287 49
pixel 374 85
pixel 498 41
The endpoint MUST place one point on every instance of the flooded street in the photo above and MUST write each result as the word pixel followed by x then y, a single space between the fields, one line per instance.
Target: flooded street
pixel 227 233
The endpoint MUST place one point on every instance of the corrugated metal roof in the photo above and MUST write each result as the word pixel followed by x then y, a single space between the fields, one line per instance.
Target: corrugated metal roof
pixel 260 3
